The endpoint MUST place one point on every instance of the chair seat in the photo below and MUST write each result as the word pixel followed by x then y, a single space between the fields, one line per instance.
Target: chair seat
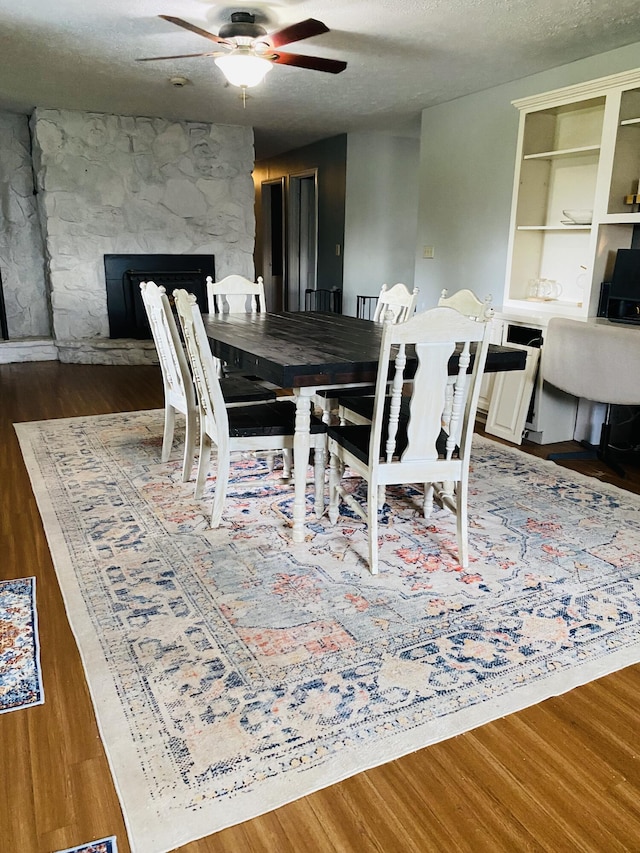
pixel 365 391
pixel 363 406
pixel 355 439
pixel 241 389
pixel 267 419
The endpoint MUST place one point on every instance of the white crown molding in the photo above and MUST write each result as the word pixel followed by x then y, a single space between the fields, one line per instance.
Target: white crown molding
pixel 580 91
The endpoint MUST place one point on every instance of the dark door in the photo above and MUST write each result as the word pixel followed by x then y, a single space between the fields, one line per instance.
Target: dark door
pixel 273 243
pixel 303 239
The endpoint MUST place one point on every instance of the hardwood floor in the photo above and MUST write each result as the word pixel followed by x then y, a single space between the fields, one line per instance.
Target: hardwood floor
pixel 629 462
pixel 563 775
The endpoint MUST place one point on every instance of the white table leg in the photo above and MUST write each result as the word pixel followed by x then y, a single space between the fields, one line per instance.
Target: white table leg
pixel 301 447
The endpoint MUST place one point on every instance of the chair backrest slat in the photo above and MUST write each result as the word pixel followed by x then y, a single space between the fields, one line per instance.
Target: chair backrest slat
pixel 455 421
pixel 395 401
pixel 427 400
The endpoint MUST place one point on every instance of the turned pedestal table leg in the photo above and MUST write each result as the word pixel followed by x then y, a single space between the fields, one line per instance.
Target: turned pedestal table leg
pixel 301 447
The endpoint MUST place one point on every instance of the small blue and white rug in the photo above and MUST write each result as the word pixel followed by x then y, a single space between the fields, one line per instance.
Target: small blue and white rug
pixel 20 673
pixel 103 845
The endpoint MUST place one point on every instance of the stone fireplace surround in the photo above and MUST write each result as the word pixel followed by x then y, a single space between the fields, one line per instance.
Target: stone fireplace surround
pixel 110 185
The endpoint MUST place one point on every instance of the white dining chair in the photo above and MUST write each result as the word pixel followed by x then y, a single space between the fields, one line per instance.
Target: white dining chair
pixel 358 409
pixel 179 394
pixel 236 294
pixel 269 426
pixel 466 302
pixel 394 303
pixel 397 303
pixel 414 449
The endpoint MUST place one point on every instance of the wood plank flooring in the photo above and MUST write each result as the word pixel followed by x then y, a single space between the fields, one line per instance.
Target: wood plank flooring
pixel 561 776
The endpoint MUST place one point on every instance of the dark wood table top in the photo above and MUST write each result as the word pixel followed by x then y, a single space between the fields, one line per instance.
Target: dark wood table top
pixel 302 349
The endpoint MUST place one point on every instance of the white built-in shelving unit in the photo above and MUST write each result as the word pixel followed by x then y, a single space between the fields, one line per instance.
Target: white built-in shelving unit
pixel 578 148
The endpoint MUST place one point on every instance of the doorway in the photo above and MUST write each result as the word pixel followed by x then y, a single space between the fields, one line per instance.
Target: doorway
pixel 303 238
pixel 273 243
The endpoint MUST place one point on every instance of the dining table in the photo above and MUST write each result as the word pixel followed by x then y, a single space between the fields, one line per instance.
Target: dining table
pixel 307 352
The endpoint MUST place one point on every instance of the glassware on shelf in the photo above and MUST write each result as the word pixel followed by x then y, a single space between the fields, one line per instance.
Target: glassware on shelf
pixel 543 290
pixel 578 217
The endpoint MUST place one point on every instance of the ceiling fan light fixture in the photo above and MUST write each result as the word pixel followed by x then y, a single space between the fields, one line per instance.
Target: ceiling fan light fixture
pixel 243 69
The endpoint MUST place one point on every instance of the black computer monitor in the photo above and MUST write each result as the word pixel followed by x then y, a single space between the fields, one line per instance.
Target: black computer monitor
pixel 625 281
pixel 623 291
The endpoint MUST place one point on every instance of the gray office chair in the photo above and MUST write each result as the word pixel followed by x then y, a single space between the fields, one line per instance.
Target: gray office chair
pixel 598 361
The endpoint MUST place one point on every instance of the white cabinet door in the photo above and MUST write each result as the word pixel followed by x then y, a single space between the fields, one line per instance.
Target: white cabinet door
pixel 486 392
pixel 488 380
pixel 511 398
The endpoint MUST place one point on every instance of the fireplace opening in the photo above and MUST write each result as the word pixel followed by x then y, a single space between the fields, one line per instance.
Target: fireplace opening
pixel 4 329
pixel 123 273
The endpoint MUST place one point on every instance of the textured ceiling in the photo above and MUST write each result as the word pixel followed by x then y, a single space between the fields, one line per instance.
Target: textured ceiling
pixel 403 55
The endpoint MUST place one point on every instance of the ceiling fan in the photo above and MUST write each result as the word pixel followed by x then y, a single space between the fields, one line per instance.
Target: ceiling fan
pixel 247 51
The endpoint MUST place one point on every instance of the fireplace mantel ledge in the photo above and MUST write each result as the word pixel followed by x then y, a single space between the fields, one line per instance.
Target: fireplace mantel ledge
pixel 88 351
pixel 107 351
pixel 28 349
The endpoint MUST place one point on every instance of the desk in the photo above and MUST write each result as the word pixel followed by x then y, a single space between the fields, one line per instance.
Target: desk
pixel 308 352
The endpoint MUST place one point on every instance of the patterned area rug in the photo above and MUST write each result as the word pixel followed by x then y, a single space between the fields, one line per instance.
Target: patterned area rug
pixel 233 671
pixel 20 676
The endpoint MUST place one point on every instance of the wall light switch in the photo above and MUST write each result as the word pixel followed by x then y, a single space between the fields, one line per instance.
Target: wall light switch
pixel 427 252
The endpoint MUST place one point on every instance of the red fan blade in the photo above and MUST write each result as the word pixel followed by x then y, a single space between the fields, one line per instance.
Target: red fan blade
pixel 192 28
pixel 295 32
pixel 315 63
pixel 178 56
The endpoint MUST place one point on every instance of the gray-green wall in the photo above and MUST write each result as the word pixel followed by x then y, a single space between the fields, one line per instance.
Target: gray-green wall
pixel 467 161
pixel 381 214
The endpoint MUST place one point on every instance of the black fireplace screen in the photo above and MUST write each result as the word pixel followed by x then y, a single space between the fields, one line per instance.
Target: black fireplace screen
pixel 123 273
pixel 4 330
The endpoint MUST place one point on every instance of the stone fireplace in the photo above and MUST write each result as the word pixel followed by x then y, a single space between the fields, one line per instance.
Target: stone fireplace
pixel 114 185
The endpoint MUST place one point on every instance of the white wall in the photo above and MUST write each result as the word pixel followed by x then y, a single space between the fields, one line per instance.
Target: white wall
pixel 467 161
pixel 380 214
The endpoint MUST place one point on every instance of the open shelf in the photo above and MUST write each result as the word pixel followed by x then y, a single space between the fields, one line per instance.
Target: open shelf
pixel 564 152
pixel 625 169
pixel 551 304
pixel 620 218
pixel 554 227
